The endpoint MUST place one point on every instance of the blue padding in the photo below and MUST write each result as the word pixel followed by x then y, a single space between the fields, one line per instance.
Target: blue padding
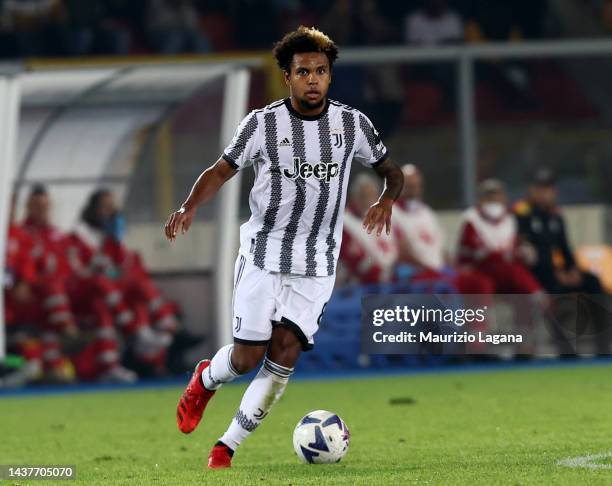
pixel 337 343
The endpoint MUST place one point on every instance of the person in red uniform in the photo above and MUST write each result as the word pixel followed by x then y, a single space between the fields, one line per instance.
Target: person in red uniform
pixel 21 312
pixel 488 246
pixel 96 249
pixel 422 239
pixel 488 243
pixel 365 258
pixel 69 294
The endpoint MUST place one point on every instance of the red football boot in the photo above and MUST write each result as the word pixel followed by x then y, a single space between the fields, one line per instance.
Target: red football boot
pixel 220 456
pixel 193 401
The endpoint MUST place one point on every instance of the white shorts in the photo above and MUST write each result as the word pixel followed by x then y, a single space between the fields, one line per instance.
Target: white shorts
pixel 264 299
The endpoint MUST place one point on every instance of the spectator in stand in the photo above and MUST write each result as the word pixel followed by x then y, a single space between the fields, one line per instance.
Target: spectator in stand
pixel 90 28
pixel 349 80
pixel 421 239
pixel 541 226
pixel 67 293
pixel 365 259
pixel 384 91
pixel 496 20
pixel 433 25
pixel 96 250
pixel 488 243
pixel 421 243
pixel 34 25
pixel 499 20
pixel 173 27
pixel 378 90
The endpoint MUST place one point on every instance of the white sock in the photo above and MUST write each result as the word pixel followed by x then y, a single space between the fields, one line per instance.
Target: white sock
pixel 263 392
pixel 220 369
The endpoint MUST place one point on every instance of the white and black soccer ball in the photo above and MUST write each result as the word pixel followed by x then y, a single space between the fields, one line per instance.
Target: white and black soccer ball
pixel 321 437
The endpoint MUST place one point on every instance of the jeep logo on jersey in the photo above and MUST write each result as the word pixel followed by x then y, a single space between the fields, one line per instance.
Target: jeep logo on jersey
pixel 322 171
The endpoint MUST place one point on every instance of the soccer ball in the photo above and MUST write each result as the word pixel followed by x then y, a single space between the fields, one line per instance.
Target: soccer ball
pixel 321 437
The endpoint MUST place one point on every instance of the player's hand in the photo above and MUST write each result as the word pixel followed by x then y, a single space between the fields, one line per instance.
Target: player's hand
pixel 378 217
pixel 178 221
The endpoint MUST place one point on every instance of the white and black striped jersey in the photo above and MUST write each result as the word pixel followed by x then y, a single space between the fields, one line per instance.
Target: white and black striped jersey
pixel 302 165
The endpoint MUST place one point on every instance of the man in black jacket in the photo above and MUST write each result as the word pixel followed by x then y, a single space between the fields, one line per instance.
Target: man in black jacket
pixel 541 225
pixel 542 230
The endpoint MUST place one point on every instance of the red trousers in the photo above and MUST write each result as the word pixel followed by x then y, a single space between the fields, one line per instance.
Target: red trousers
pixel 508 277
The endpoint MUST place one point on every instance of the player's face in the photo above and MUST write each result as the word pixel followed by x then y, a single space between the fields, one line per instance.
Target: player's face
pixel 309 79
pixel 544 197
pixel 39 209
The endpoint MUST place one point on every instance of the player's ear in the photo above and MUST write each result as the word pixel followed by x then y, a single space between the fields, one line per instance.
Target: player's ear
pixel 286 76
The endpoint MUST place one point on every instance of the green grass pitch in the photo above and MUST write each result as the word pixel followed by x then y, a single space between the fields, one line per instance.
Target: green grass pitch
pixel 494 427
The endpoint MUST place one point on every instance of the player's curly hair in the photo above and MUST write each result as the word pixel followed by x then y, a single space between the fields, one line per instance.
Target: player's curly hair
pixel 304 39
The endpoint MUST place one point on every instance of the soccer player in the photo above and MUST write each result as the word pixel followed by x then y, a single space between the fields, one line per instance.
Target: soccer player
pixel 301 149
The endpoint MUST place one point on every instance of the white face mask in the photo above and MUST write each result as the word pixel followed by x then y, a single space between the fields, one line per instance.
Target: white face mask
pixel 493 210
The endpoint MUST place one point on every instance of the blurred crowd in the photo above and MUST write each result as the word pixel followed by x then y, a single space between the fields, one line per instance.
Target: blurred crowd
pixel 34 28
pixel 501 248
pixel 601 10
pixel 80 304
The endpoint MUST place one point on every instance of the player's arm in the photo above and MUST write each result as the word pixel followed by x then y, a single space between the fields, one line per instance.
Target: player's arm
pixel 204 189
pixel 379 215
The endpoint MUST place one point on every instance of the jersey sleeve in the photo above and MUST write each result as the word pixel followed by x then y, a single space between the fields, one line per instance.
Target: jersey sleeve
pixel 370 150
pixel 244 147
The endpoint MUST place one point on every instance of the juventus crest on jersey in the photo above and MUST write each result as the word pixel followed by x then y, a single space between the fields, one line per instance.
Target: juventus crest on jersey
pixel 302 165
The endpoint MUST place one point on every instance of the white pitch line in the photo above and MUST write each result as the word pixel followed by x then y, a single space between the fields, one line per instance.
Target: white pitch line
pixel 590 461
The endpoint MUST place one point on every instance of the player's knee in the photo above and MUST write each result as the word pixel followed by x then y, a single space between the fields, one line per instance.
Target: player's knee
pixel 245 360
pixel 285 348
pixel 288 341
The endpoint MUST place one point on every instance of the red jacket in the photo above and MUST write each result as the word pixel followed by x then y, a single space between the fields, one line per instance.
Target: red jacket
pixel 19 264
pixel 91 251
pixel 49 250
pixel 482 239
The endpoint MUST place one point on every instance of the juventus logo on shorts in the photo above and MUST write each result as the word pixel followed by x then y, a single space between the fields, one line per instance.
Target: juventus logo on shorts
pixel 238 324
pixel 338 140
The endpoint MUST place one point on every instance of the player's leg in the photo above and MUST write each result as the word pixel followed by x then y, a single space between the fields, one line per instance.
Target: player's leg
pixel 264 391
pixel 299 307
pixel 228 363
pixel 254 303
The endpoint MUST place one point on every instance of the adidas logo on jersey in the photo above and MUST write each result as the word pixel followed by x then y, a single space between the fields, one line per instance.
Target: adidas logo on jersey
pixel 285 143
pixel 322 171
